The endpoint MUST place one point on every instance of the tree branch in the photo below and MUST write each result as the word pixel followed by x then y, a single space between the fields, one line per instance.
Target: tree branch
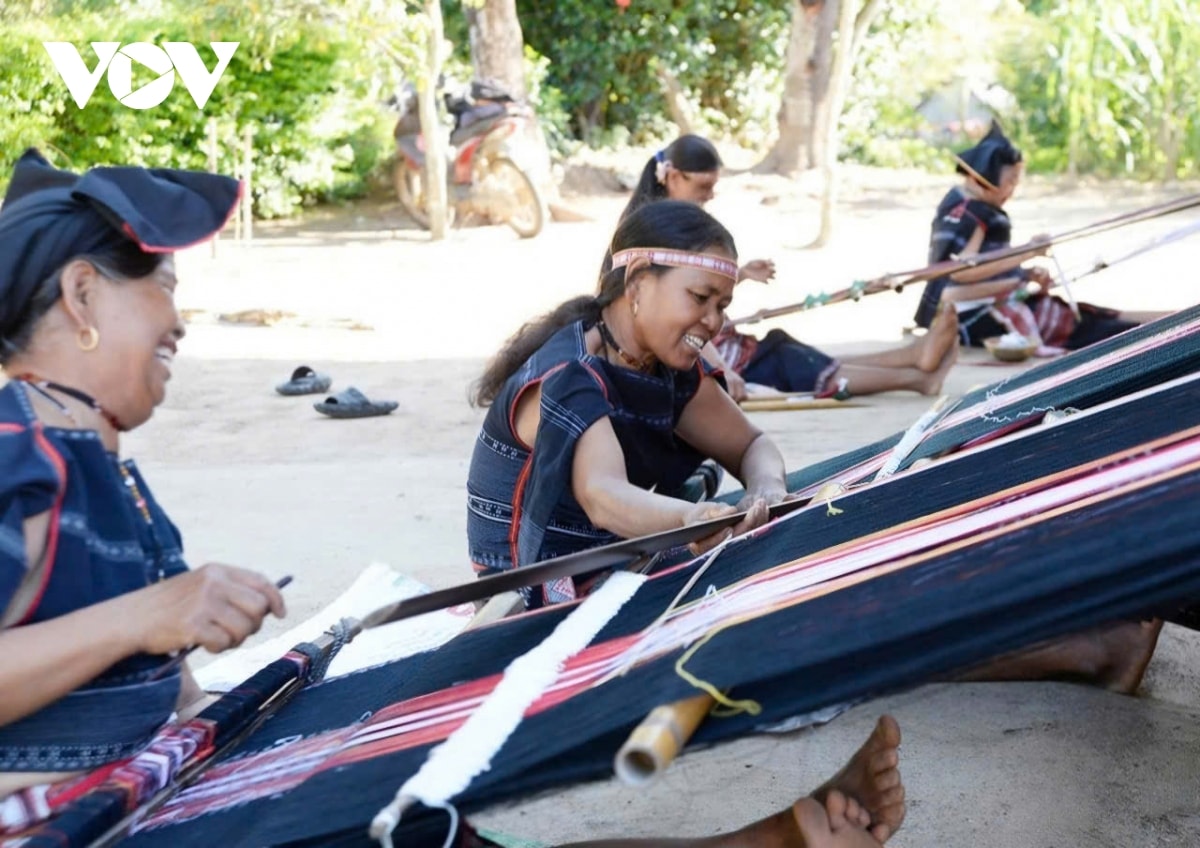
pixel 862 22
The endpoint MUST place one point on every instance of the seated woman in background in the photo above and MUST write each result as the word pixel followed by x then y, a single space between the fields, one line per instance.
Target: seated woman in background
pixel 94 592
pixel 603 404
pixel 688 169
pixel 993 300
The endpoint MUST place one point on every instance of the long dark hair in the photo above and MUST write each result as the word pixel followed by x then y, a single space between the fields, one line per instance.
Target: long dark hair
pixel 122 260
pixel 672 224
pixel 689 153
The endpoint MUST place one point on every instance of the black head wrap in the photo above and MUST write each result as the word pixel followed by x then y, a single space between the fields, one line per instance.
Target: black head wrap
pixel 989 156
pixel 50 216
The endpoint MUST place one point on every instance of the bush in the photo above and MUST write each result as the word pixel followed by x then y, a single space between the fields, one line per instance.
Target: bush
pixel 311 98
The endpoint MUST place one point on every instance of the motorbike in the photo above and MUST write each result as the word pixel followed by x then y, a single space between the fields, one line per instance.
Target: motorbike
pixel 485 177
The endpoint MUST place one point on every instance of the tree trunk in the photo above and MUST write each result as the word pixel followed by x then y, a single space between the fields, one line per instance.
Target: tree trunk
pixel 497 44
pixel 853 25
pixel 431 127
pixel 792 150
pixel 678 106
pixel 498 53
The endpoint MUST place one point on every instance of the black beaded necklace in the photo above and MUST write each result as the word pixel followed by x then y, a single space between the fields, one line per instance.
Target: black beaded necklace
pixel 606 336
pixel 41 385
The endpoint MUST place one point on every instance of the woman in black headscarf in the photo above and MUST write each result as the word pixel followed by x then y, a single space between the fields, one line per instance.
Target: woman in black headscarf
pixel 94 593
pixel 994 300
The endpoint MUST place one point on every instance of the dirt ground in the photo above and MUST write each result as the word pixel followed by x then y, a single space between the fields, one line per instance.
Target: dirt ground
pixel 260 480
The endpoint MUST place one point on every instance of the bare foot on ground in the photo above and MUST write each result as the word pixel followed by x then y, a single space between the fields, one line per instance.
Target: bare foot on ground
pixel 932 384
pixel 942 336
pixel 872 779
pixel 1129 648
pixel 1114 656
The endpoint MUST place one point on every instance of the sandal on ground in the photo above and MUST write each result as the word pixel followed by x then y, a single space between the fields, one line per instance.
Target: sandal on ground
pixel 353 404
pixel 305 381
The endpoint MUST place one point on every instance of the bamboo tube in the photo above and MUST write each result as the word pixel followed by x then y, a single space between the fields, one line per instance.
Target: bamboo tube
pixel 656 742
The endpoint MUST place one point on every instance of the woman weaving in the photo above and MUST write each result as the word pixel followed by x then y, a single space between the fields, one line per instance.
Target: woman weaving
pixel 688 169
pixel 94 591
pixel 93 587
pixel 602 407
pixel 993 300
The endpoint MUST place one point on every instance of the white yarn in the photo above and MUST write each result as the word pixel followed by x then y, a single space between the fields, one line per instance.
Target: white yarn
pixel 468 751
pixel 910 440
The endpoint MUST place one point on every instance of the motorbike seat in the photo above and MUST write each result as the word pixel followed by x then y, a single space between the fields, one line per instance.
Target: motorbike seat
pixel 410 146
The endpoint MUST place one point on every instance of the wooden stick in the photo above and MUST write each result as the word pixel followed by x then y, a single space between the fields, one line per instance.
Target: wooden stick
pixel 775 403
pixel 656 742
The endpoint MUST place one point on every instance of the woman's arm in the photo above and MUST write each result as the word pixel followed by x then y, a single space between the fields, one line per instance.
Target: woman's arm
pixel 714 425
pixel 215 606
pixel 982 274
pixel 733 380
pixel 601 486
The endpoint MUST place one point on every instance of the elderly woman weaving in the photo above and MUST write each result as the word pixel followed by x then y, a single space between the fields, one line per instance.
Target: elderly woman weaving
pixel 94 592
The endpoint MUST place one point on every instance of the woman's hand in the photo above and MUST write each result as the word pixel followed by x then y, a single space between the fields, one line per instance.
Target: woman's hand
pixel 762 270
pixel 736 386
pixel 215 606
pixel 756 516
pixel 770 496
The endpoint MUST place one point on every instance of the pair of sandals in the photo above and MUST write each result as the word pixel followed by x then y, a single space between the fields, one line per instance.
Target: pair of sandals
pixel 350 403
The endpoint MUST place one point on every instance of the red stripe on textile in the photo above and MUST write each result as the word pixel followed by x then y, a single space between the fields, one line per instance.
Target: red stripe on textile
pixel 6 427
pixel 60 469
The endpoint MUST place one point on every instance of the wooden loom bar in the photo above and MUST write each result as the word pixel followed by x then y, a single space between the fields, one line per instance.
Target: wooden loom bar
pixel 898 280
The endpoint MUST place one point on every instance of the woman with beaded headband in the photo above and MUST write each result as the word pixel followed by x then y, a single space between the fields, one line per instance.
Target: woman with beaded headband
pixel 688 169
pixel 994 300
pixel 94 592
pixel 604 404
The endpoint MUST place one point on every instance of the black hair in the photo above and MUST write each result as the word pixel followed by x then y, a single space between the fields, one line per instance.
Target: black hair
pixel 690 153
pixel 672 224
pixel 123 260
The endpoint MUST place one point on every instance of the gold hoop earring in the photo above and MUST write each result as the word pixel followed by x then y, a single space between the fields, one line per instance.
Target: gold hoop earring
pixel 88 339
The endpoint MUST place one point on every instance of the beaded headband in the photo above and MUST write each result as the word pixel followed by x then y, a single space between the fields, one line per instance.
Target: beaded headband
pixel 678 259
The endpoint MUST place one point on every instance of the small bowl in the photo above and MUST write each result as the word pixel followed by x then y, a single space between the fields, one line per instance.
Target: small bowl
pixel 1008 354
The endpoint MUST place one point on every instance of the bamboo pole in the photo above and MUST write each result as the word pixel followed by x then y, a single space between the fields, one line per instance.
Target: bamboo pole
pixel 656 742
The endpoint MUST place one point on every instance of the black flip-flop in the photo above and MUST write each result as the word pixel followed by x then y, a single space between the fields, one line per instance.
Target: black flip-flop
pixel 305 381
pixel 353 404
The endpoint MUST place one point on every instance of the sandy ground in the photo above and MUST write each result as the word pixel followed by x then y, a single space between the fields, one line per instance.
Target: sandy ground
pixel 259 480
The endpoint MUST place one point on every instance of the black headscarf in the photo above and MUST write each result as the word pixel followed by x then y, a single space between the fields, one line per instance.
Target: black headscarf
pixel 50 216
pixel 989 156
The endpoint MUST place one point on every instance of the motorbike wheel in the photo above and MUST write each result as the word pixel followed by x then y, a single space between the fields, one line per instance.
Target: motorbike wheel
pixel 410 190
pixel 526 209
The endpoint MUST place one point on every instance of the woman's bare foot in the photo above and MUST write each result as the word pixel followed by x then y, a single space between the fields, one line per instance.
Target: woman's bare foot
pixel 932 384
pixel 1130 647
pixel 872 779
pixel 1114 656
pixel 942 336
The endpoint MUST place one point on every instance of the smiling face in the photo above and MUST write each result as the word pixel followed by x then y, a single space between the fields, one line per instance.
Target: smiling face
pixel 679 311
pixel 697 187
pixel 139 328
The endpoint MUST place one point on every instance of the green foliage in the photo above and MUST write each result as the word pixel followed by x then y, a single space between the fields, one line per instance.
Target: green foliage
pixel 605 60
pixel 1110 86
pixel 310 95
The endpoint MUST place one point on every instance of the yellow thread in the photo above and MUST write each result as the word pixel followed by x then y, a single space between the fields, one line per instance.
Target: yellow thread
pixel 830 509
pixel 731 706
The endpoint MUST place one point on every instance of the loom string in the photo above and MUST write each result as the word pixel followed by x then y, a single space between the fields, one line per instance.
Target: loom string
pixel 1103 463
